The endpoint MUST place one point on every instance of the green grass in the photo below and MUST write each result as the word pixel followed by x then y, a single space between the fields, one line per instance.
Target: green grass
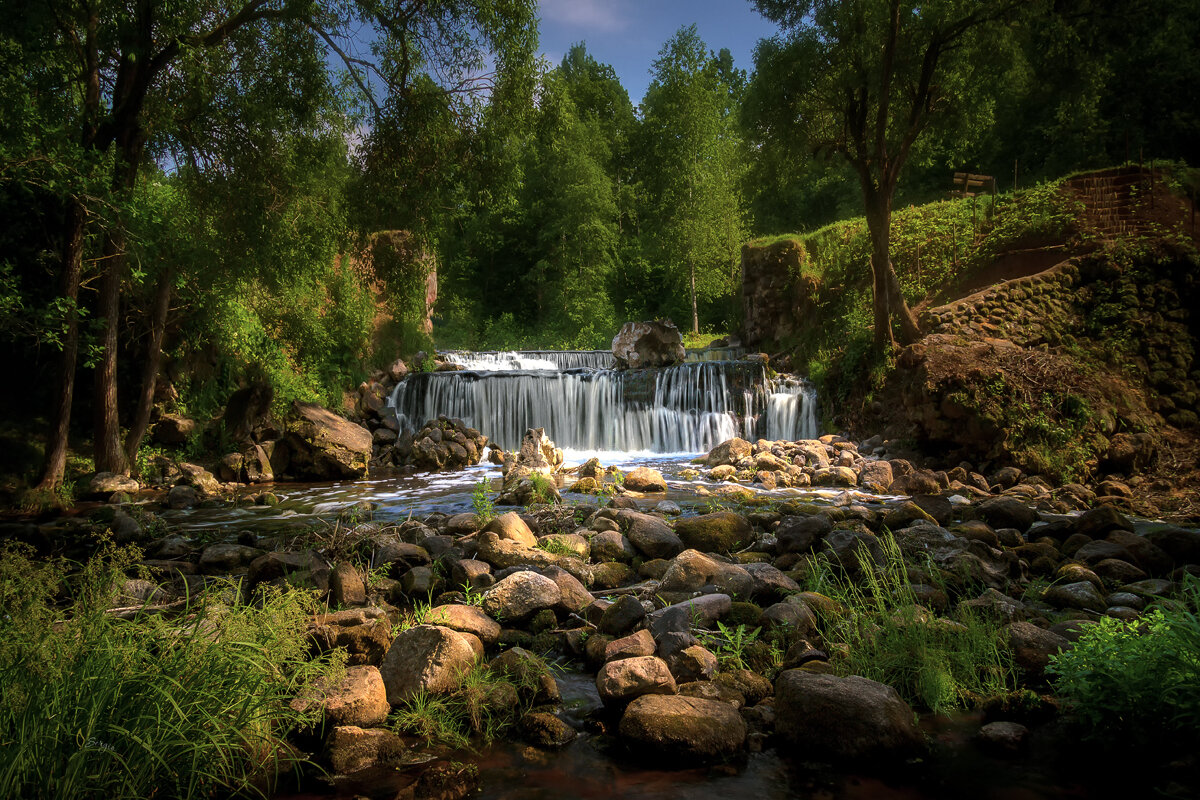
pixel 479 709
pixel 882 633
pixel 92 706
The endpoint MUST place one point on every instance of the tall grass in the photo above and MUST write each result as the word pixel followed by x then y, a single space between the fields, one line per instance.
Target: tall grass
pixel 936 663
pixel 92 706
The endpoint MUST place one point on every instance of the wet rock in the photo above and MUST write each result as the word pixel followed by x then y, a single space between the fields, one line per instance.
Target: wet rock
pixel 844 719
pixel 519 595
pixel 545 730
pixel 644 479
pixel 729 452
pixel 801 534
pixel 627 678
pixel 684 729
pixel 181 497
pixel 720 532
pixel 426 658
pixel 359 699
pixel 103 484
pixel 1003 738
pixel 350 748
pixel 1183 546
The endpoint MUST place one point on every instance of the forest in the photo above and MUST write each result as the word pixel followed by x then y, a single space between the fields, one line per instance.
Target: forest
pixel 198 196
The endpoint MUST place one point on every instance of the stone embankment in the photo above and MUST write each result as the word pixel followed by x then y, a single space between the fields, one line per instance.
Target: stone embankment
pixel 647 601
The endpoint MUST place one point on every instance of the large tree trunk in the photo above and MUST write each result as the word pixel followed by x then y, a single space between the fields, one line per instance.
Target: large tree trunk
pixel 109 455
pixel 72 257
pixel 158 327
pixel 909 330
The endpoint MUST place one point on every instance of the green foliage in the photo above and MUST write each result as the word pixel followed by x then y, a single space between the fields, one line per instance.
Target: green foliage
pixel 555 546
pixel 1137 683
pixel 543 489
pixel 938 663
pixel 481 707
pixel 729 644
pixel 99 707
pixel 482 503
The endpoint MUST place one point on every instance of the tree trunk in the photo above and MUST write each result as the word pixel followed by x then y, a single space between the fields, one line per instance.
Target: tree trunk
pixel 108 453
pixel 158 327
pixel 909 330
pixel 72 257
pixel 879 220
pixel 695 312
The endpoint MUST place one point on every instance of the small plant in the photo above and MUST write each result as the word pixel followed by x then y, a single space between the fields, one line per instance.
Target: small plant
pixel 729 644
pixel 555 546
pixel 481 501
pixel 544 492
pixel 482 706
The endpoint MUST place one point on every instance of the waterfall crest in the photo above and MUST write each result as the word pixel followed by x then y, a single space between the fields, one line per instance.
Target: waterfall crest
pixel 688 408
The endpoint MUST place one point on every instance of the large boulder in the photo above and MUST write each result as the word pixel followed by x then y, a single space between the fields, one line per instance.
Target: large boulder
pixel 651 536
pixel 427 658
pixel 324 446
pixel 521 594
pixel 719 532
pixel 844 719
pixel 358 699
pixel 464 619
pixel 627 678
pixel 648 344
pixel 729 452
pixel 644 479
pixel 682 728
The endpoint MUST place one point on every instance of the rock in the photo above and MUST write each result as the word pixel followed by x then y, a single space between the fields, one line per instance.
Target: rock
pixel 464 619
pixel 769 582
pixel 221 557
pixel 682 729
pixel 324 446
pixel 729 453
pixel 648 344
pixel 545 730
pixel 1183 546
pixel 793 615
pixel 1003 738
pixel 635 645
pixel 694 663
pixel 364 644
pixel 173 430
pixel 854 550
pixel 1032 646
pixel 719 532
pixel 346 587
pixel 705 609
pixel 509 526
pixel 426 658
pixel 876 477
pixel 1082 595
pixel 801 534
pixel 350 748
pixel 627 678
pixel 309 563
pixel 181 497
pixel 530 673
pixel 612 546
pixel 750 685
pixel 835 476
pixel 501 554
pixel 1007 512
pixel 359 699
pixel 622 615
pixel 906 514
pixel 644 479
pixel 397 370
pixel 844 719
pixel 520 595
pixel 575 596
pixel 1097 522
pixel 650 535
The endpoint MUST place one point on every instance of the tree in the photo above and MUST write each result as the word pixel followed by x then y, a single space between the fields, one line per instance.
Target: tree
pixel 692 169
pixel 866 79
pixel 127 77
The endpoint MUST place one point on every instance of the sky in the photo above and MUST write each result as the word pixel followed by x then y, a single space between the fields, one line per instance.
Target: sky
pixel 629 33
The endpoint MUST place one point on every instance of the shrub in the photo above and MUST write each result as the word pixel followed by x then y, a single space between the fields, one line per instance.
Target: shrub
pixel 1139 680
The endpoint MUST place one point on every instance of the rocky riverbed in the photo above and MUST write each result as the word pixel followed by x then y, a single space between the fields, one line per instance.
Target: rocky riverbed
pixel 735 628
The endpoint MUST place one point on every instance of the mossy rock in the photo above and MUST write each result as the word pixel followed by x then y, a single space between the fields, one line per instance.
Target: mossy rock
pixel 720 532
pixel 743 613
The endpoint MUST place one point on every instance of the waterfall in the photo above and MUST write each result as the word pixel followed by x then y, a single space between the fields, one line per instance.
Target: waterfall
pixel 688 408
pixel 501 361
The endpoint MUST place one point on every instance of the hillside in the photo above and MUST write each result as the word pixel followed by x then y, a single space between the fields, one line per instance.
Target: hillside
pixel 1060 332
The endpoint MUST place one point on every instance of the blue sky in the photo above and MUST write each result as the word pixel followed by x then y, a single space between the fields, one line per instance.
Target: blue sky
pixel 629 33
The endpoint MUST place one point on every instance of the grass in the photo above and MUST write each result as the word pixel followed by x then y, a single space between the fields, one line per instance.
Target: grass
pixel 480 708
pixel 92 706
pixel 482 503
pixel 882 633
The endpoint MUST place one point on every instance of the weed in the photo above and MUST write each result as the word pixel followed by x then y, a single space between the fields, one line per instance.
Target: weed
pixel 481 501
pixel 555 546
pixel 729 644
pixel 544 492
pixel 482 705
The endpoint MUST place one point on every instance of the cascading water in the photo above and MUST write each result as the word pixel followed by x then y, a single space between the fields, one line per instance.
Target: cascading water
pixel 688 408
pixel 505 361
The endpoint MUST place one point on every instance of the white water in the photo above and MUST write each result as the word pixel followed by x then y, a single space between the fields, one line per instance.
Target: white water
pixel 688 408
pixel 508 361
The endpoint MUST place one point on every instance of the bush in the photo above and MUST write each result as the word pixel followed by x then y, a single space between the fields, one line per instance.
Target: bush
pixel 94 706
pixel 1139 680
